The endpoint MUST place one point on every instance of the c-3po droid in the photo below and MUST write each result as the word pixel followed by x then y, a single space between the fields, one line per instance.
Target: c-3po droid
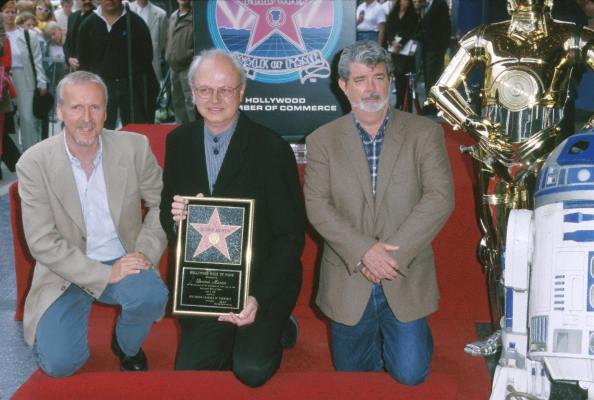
pixel 528 63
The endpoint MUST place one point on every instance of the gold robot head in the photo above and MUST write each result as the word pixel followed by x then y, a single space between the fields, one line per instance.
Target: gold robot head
pixel 538 6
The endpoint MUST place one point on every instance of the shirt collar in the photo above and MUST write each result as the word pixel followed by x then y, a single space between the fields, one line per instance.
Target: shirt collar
pixel 223 136
pixel 365 135
pixel 99 12
pixel 75 161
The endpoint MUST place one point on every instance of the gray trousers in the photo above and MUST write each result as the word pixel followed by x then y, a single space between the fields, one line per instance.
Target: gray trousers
pixel 181 97
pixel 29 126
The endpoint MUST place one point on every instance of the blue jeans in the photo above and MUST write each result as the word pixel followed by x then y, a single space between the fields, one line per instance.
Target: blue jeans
pixel 379 340
pixel 61 346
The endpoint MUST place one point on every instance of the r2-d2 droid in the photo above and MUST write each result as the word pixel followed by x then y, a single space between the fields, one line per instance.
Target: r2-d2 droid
pixel 548 327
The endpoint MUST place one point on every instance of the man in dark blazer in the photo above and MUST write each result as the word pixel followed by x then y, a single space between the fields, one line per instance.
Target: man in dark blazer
pixel 74 21
pixel 378 189
pixel 434 34
pixel 227 155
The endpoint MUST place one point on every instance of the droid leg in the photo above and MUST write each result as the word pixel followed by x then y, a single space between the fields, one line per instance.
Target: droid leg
pixel 516 376
pixel 490 200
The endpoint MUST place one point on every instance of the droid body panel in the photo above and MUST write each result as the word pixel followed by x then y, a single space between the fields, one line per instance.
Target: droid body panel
pixel 548 329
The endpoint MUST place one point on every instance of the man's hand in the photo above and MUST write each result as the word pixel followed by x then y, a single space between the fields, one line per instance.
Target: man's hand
pixel 379 263
pixel 247 316
pixel 179 208
pixel 369 275
pixel 396 46
pixel 73 62
pixel 130 264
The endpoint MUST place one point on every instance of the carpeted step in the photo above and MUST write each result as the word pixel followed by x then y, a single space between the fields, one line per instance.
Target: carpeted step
pixel 222 385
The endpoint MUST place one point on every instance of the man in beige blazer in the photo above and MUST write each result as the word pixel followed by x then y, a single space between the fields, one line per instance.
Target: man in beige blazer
pixel 81 194
pixel 378 189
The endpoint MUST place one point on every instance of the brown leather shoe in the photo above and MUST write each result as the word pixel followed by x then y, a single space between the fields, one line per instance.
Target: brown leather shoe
pixel 129 363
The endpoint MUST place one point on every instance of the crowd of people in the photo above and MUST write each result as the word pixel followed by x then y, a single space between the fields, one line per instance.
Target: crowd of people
pixel 41 43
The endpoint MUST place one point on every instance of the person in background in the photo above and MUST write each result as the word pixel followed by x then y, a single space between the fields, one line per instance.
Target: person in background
pixel 178 55
pixel 588 7
pixel 434 36
pixel 570 11
pixel 28 21
pixel 387 4
pixel 23 76
pixel 123 58
pixel 74 21
pixel 44 12
pixel 225 154
pixel 53 56
pixel 401 27
pixel 371 19
pixel 63 13
pixel 156 20
pixel 5 106
pixel 378 189
pixel 25 6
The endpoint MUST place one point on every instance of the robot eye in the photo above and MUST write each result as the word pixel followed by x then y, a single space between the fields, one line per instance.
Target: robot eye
pixel 579 147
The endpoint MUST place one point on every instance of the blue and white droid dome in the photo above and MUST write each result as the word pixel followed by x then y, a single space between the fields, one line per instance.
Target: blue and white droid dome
pixel 568 173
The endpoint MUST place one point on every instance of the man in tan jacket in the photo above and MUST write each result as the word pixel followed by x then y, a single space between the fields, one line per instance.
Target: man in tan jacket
pixel 378 189
pixel 81 195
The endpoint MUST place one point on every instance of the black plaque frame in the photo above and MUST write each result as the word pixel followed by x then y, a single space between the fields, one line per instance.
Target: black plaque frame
pixel 212 273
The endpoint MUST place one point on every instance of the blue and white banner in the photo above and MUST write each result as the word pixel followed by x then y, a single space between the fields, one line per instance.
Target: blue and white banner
pixel 287 48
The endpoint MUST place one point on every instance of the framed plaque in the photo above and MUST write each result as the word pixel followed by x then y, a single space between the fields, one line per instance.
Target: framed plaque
pixel 213 256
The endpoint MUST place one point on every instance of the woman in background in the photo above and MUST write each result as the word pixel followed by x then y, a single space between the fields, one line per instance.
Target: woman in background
pixel 44 12
pixel 401 26
pixel 23 77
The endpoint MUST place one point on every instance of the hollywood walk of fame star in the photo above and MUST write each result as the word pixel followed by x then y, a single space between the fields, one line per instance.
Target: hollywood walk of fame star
pixel 214 234
pixel 274 16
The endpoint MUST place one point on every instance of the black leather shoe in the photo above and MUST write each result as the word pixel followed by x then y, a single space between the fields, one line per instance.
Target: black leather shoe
pixel 290 333
pixel 129 363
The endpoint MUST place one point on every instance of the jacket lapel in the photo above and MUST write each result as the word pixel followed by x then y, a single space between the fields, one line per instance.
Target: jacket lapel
pixel 151 17
pixel 197 157
pixel 393 139
pixel 62 180
pixel 235 156
pixel 353 149
pixel 114 171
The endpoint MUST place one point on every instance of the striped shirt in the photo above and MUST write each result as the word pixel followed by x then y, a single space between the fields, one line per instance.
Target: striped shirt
pixel 215 147
pixel 372 147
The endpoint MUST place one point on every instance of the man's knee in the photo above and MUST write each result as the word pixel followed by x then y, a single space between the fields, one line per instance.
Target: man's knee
pixel 409 375
pixel 61 364
pixel 150 301
pixel 253 374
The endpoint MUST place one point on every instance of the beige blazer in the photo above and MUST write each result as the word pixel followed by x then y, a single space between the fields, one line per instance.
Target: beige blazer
pixel 53 220
pixel 413 200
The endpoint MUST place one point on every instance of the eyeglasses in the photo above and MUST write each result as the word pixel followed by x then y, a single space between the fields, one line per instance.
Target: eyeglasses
pixel 204 92
pixel 42 9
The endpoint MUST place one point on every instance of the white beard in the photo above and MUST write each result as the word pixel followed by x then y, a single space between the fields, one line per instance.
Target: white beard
pixel 373 106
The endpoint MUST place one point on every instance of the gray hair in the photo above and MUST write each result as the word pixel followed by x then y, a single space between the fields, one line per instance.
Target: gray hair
pixel 209 54
pixel 76 78
pixel 364 52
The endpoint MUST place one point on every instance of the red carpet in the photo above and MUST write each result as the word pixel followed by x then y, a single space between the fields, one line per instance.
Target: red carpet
pixel 306 371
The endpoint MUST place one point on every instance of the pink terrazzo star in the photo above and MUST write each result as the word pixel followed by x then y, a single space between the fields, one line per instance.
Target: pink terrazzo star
pixel 271 17
pixel 214 234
